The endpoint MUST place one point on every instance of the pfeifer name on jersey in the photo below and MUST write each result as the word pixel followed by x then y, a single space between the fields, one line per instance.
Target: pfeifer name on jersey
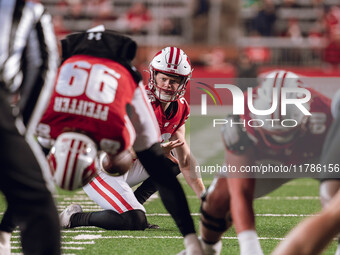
pixel 81 107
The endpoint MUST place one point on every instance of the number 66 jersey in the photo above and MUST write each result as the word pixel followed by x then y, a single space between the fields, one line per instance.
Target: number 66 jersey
pixel 94 95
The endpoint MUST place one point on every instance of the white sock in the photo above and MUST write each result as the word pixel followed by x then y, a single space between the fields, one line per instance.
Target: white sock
pixel 249 243
pixel 192 244
pixel 338 250
pixel 5 243
pixel 5 238
pixel 211 249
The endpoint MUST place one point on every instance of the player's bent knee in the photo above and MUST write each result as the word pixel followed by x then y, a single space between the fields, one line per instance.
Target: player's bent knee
pixel 111 220
pixel 135 220
pixel 216 224
pixel 215 212
pixel 216 200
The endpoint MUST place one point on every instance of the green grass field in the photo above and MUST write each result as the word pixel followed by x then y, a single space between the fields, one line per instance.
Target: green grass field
pixel 276 214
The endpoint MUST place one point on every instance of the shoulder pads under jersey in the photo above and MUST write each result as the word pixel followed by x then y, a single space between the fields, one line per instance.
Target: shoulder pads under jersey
pixel 235 137
pixel 104 44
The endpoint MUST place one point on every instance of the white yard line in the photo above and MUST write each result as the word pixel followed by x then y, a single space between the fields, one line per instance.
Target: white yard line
pixel 72 248
pixel 289 198
pixel 64 243
pixel 14 253
pixel 75 230
pixel 277 198
pixel 160 237
pixel 259 215
pixel 63 248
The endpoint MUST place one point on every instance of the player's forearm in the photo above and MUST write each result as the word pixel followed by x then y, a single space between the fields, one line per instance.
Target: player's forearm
pixel 194 181
pixel 198 187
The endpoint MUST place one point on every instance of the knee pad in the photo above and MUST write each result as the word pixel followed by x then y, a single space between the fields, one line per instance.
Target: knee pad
pixel 213 223
pixel 111 220
pixel 135 220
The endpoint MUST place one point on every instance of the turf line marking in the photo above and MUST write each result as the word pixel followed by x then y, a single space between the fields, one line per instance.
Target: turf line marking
pixel 259 215
pixel 283 215
pixel 289 198
pixel 66 242
pixel 72 248
pixel 80 243
pixel 63 248
pixel 277 198
pixel 16 253
pixel 84 231
pixel 85 208
pixel 164 237
pixel 73 202
pixel 95 230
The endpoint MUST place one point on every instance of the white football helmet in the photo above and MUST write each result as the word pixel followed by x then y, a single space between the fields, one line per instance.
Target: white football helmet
pixel 73 160
pixel 273 132
pixel 174 62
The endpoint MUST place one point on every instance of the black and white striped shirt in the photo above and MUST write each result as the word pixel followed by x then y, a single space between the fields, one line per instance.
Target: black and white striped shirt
pixel 28 55
pixel 28 68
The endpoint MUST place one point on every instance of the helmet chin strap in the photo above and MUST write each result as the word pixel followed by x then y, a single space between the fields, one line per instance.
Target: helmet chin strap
pixel 163 97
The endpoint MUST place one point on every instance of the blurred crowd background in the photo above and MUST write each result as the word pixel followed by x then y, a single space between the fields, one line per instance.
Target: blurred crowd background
pixel 228 37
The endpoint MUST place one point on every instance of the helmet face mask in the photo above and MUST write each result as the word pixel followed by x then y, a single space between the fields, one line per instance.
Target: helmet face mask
pixel 165 94
pixel 273 132
pixel 172 62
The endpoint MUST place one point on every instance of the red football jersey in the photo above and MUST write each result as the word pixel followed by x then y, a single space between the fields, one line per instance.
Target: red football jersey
pixel 307 145
pixel 90 95
pixel 169 125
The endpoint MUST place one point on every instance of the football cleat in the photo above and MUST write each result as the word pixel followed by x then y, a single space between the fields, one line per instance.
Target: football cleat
pixel 65 216
pixel 152 226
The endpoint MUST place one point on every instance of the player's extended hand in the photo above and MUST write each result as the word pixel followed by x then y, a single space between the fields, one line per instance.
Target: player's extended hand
pixel 168 146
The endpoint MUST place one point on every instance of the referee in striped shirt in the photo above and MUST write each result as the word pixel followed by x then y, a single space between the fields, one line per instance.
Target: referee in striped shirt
pixel 28 66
